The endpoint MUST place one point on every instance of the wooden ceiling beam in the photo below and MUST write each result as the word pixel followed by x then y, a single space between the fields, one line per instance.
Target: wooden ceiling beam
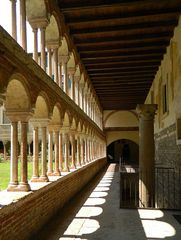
pixel 144 35
pixel 128 27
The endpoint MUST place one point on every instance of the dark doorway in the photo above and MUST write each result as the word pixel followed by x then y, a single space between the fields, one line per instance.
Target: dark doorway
pixel 123 150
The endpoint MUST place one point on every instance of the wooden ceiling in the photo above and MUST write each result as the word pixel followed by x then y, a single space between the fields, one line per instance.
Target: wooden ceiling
pixel 121 44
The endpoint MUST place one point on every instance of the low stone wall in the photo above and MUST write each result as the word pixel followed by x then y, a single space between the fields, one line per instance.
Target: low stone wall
pixel 21 219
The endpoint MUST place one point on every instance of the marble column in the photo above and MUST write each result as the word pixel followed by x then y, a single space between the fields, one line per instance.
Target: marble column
pixel 78 163
pixel 64 60
pixel 55 65
pixel 23 24
pixel 56 147
pixel 35 39
pixel 43 176
pixel 24 185
pixel 35 176
pixel 13 19
pixel 43 53
pixel 4 149
pixel 50 62
pixel 146 113
pixel 82 151
pixel 60 75
pixel 60 152
pixel 66 156
pixel 14 157
pixel 71 72
pixel 73 165
pixel 50 153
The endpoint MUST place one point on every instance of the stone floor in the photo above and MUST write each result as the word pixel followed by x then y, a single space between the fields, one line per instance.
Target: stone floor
pixel 94 214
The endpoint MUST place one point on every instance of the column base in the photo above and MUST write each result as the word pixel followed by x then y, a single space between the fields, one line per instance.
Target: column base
pixel 50 174
pixel 12 187
pixel 34 179
pixel 24 187
pixel 73 166
pixel 57 173
pixel 43 179
pixel 66 170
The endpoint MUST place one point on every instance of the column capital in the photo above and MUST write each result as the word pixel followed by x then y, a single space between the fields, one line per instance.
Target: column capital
pixel 71 70
pixel 54 127
pixel 15 116
pixel 63 59
pixel 146 111
pixel 39 122
pixel 53 44
pixel 77 78
pixel 38 23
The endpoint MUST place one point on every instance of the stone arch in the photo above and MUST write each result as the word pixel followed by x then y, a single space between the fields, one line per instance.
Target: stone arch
pixel 52 32
pixel 42 106
pixel 17 94
pixel 56 116
pixel 118 111
pixel 124 150
pixel 64 48
pixel 36 9
pixel 71 62
pixel 67 119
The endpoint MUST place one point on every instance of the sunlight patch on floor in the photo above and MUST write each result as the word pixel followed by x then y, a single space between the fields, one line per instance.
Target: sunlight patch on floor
pixel 154 228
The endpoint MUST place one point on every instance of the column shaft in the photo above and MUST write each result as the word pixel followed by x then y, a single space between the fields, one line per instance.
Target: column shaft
pixel 43 61
pixel 50 153
pixel 66 162
pixel 73 165
pixel 55 63
pixel 24 186
pixel 14 157
pixel 35 49
pixel 60 153
pixel 50 62
pixel 56 147
pixel 35 155
pixel 23 24
pixel 43 176
pixel 13 20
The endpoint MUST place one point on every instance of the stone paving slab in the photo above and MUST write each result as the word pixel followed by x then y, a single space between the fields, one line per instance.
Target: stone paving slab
pixel 94 214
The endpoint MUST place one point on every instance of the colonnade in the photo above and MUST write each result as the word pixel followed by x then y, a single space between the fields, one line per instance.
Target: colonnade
pixel 55 150
pixel 55 63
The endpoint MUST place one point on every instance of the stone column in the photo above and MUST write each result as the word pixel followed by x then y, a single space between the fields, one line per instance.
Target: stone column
pixel 60 152
pixel 43 56
pixel 24 186
pixel 23 24
pixel 43 176
pixel 146 113
pixel 77 97
pixel 60 75
pixel 55 64
pixel 71 72
pixel 73 165
pixel 13 19
pixel 50 62
pixel 78 163
pixel 4 150
pixel 64 60
pixel 56 147
pixel 14 157
pixel 66 157
pixel 35 176
pixel 82 150
pixel 50 153
pixel 35 49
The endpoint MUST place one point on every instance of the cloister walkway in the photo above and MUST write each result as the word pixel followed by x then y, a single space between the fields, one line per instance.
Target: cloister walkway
pixel 94 214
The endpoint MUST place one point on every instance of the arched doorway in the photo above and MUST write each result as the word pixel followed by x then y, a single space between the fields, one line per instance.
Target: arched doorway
pixel 123 150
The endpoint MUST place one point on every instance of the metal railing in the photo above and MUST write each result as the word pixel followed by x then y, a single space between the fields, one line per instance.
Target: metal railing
pixel 167 187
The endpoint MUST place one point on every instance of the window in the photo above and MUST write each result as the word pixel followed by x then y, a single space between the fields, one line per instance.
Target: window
pixel 165 99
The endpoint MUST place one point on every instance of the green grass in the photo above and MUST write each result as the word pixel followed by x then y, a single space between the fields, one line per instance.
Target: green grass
pixel 5 173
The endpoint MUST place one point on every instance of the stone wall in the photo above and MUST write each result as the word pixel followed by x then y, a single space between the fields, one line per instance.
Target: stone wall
pixel 21 219
pixel 167 152
pixel 168 169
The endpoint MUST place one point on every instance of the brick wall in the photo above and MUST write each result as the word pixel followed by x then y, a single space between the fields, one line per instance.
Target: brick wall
pixel 21 219
pixel 168 177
